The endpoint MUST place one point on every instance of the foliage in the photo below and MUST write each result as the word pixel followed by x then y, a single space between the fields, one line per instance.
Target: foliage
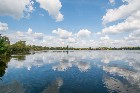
pixel 122 48
pixel 4 45
pixel 20 47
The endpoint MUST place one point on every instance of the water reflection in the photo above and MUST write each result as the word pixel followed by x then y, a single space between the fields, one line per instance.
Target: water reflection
pixel 3 64
pixel 107 71
pixel 63 65
pixel 83 66
pixel 3 67
pixel 19 57
pixel 61 61
pixel 66 64
pixel 13 87
pixel 116 85
pixel 54 86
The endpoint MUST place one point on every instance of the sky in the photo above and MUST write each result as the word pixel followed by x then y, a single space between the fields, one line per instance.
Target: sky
pixel 77 23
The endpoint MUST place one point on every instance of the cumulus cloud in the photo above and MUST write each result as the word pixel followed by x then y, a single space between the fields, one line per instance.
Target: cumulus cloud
pixel 53 7
pixel 125 26
pixel 135 33
pixel 20 34
pixel 71 40
pixel 105 38
pixel 38 36
pixel 3 26
pixel 64 34
pixel 32 38
pixel 112 2
pixel 122 12
pixel 29 31
pixel 130 24
pixel 16 9
pixel 65 38
pixel 83 33
pixel 134 36
pixel 129 12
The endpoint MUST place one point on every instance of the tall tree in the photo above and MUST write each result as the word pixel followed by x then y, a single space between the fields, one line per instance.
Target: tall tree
pixel 4 45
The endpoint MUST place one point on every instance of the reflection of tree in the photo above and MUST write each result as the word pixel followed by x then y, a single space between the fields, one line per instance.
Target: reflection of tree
pixel 3 64
pixel 54 87
pixel 19 57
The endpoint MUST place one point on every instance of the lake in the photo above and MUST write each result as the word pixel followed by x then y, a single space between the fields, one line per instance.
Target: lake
pixel 72 72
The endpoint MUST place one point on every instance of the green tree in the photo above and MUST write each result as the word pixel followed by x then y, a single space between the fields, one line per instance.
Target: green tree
pixel 20 48
pixel 4 45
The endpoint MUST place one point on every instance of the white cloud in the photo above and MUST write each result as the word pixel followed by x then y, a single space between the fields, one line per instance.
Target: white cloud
pixel 29 31
pixel 65 38
pixel 134 36
pixel 123 27
pixel 53 7
pixel 30 34
pixel 112 2
pixel 64 34
pixel 122 12
pixel 16 9
pixel 20 34
pixel 105 38
pixel 38 36
pixel 71 40
pixel 53 41
pixel 135 33
pixel 31 38
pixel 83 33
pixel 132 23
pixel 130 13
pixel 3 26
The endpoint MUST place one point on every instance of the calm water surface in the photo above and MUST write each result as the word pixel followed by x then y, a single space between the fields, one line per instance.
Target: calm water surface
pixel 75 72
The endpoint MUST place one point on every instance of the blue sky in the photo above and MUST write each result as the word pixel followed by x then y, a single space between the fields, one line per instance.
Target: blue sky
pixel 78 23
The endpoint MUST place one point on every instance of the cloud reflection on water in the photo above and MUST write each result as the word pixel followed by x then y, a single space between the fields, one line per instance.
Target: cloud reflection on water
pixel 13 87
pixel 54 86
pixel 113 84
pixel 115 64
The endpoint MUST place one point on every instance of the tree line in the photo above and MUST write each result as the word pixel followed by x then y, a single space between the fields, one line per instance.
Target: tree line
pixel 20 47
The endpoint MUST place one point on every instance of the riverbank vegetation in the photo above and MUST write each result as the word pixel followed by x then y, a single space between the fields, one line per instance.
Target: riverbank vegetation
pixel 20 47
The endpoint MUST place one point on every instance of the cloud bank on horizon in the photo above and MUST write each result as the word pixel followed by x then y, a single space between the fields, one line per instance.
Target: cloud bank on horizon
pixel 61 23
